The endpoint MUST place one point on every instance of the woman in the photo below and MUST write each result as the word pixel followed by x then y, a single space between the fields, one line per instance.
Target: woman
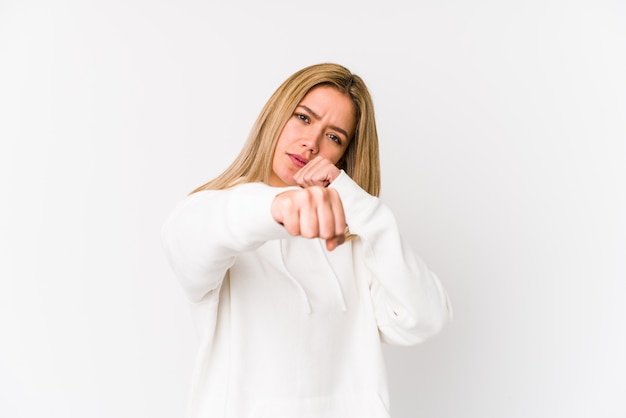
pixel 290 304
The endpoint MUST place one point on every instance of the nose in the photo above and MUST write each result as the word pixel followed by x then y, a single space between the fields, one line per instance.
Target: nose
pixel 311 141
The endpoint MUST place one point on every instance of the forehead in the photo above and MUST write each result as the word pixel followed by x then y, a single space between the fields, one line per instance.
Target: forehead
pixel 328 101
pixel 327 95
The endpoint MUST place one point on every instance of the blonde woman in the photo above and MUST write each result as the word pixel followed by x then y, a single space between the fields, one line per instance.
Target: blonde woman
pixel 295 270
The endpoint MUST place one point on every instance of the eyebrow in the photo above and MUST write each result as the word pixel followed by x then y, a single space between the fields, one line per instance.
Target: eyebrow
pixel 316 116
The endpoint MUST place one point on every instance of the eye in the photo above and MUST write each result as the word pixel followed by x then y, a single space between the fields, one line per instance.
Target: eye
pixel 304 118
pixel 335 138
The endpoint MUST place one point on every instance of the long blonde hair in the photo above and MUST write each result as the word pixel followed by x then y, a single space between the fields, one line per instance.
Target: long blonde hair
pixel 360 160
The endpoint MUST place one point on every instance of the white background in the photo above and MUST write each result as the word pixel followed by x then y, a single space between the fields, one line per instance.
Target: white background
pixel 503 142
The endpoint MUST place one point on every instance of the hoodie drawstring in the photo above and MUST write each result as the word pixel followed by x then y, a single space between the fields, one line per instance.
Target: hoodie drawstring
pixel 300 288
pixel 295 282
pixel 337 282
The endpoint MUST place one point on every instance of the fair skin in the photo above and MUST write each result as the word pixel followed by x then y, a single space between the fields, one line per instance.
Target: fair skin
pixel 310 145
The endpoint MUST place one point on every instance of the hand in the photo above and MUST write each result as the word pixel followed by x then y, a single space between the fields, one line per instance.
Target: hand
pixel 312 212
pixel 318 172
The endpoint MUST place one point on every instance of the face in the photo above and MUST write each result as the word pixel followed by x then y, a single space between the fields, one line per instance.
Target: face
pixel 323 124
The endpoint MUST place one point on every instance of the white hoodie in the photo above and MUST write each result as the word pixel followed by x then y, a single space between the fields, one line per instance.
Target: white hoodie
pixel 289 329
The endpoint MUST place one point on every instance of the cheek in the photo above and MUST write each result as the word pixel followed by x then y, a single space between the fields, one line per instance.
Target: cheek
pixel 287 134
pixel 332 153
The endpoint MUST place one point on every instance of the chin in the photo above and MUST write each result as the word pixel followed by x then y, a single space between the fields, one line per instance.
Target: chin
pixel 287 180
pixel 282 181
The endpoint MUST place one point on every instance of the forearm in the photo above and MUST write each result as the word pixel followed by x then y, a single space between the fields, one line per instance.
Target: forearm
pixel 410 301
pixel 207 230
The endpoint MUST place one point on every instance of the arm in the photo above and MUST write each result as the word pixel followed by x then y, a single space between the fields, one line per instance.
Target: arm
pixel 207 230
pixel 409 300
pixel 204 234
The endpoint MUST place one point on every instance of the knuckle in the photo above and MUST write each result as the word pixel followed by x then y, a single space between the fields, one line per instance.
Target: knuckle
pixel 322 193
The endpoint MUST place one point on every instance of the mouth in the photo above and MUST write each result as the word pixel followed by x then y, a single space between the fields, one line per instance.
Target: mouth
pixel 298 160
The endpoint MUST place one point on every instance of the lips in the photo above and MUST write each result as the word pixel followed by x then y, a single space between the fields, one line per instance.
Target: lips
pixel 298 160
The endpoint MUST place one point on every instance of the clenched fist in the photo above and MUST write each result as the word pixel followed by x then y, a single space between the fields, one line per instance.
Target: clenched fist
pixel 312 212
pixel 317 172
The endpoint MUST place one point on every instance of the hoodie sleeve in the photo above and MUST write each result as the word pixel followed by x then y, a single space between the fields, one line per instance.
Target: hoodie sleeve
pixel 409 300
pixel 206 231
